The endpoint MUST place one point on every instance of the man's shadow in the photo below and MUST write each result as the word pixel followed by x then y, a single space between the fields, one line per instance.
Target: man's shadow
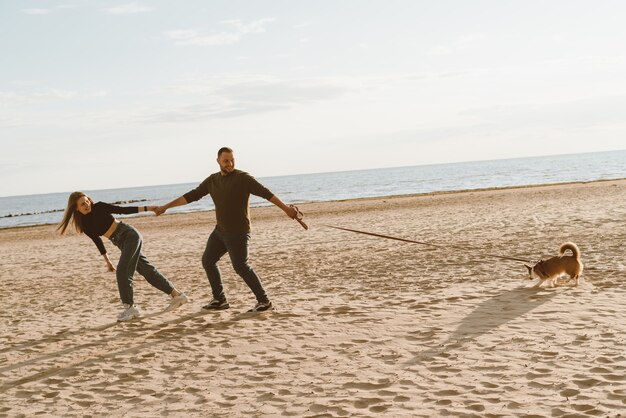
pixel 488 316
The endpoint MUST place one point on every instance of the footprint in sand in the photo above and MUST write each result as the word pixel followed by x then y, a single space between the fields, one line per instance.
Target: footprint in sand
pixel 52 394
pixel 618 395
pixel 140 372
pixel 147 392
pixel 318 408
pixel 343 309
pixel 447 392
pixel 489 385
pixel 514 405
pixel 363 403
pixel 85 404
pixel 379 408
pixel 585 408
pixel 586 383
pixel 382 383
pixel 614 377
pixel 604 360
pixel 568 393
pixel 81 396
pixel 476 407
pixel 24 394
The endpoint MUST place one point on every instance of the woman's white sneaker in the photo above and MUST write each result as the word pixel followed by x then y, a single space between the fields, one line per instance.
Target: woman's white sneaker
pixel 177 302
pixel 129 312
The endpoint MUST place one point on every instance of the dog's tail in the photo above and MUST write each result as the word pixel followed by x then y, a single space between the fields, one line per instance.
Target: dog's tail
pixel 570 246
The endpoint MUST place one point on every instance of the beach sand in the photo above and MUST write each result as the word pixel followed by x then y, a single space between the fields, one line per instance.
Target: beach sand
pixel 363 326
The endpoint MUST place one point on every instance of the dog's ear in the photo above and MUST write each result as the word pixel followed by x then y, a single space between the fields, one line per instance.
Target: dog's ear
pixel 528 267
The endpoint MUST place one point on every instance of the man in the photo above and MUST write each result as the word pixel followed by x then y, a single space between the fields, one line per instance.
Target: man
pixel 230 190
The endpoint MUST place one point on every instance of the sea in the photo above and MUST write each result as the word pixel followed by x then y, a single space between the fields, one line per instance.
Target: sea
pixel 320 187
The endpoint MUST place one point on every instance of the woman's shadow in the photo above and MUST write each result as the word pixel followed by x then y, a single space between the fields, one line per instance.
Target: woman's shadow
pixel 488 316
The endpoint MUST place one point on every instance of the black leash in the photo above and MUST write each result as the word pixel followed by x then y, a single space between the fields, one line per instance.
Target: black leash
pixel 425 243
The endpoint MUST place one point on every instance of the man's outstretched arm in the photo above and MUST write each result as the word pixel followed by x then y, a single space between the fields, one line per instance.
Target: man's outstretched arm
pixel 176 202
pixel 291 212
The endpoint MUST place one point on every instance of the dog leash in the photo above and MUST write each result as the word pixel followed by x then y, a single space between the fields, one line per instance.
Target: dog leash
pixel 299 216
pixel 425 243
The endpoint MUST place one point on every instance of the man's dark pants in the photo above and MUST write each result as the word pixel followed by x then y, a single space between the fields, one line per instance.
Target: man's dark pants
pixel 236 245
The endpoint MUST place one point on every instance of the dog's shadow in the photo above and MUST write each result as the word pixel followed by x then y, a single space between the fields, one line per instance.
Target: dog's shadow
pixel 488 316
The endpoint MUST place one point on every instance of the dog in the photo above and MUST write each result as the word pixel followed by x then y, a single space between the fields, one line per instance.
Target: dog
pixel 552 268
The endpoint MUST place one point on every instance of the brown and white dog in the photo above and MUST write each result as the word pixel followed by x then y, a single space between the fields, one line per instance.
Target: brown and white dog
pixel 552 268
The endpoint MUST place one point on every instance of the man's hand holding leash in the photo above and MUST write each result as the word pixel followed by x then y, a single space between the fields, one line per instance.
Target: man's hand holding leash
pixel 298 216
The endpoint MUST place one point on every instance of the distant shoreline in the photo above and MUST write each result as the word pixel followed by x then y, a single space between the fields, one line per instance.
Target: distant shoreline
pixel 484 189
pixel 372 198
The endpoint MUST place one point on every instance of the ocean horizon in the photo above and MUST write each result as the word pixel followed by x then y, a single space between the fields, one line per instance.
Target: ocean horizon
pixel 39 209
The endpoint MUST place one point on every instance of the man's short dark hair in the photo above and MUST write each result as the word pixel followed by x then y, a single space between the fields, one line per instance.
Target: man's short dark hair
pixel 222 150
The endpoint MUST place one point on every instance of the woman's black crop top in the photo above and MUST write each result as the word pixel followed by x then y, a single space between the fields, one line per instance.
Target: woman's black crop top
pixel 99 220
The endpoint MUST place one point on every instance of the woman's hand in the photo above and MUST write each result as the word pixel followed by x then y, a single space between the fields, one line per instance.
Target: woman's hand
pixel 108 262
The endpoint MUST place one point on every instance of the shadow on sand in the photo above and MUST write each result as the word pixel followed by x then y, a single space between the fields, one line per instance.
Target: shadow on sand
pixel 488 316
pixel 136 335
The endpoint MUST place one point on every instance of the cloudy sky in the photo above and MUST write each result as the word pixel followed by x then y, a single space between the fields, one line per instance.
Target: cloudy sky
pixel 101 94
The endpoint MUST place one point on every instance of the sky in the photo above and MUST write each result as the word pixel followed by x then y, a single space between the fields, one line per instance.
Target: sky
pixel 108 94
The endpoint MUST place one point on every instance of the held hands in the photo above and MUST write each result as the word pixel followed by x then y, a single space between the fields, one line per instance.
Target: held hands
pixel 152 209
pixel 159 210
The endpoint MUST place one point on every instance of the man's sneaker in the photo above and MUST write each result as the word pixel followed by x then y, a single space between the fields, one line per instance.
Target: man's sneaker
pixel 177 302
pixel 129 312
pixel 217 304
pixel 262 306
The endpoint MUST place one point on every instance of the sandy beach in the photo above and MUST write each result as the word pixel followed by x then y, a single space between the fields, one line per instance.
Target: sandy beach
pixel 363 326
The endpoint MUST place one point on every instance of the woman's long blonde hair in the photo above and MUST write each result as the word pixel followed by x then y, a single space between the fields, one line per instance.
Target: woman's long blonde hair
pixel 72 214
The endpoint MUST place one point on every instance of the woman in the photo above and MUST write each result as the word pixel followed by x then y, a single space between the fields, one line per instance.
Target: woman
pixel 95 219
